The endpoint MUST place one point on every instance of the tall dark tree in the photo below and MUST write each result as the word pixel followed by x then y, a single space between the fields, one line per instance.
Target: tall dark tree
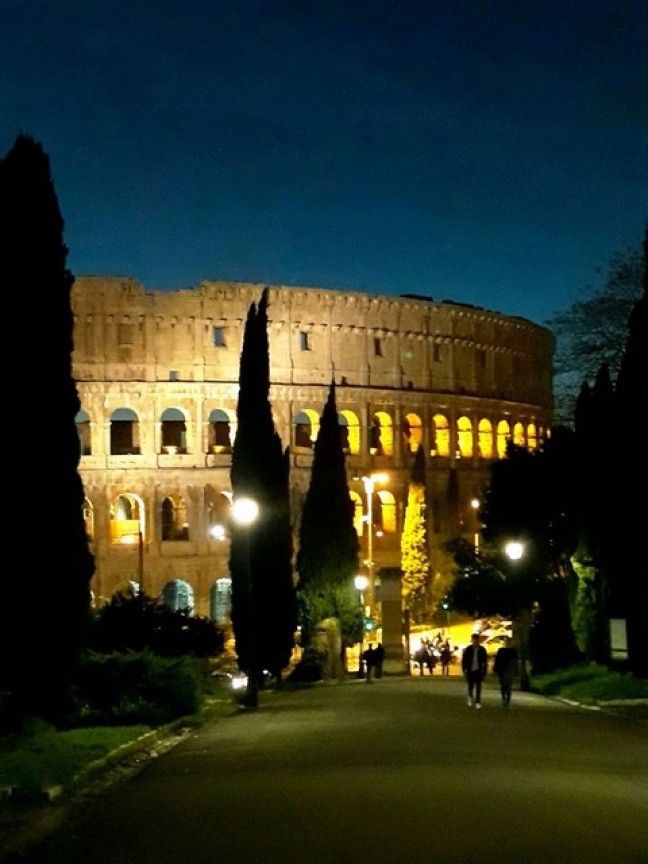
pixel 629 511
pixel 264 610
pixel 593 330
pixel 328 556
pixel 49 589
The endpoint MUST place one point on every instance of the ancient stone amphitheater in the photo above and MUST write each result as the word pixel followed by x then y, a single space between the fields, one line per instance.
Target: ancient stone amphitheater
pixel 157 375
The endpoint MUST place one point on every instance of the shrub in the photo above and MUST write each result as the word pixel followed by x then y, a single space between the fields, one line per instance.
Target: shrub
pixel 138 623
pixel 135 688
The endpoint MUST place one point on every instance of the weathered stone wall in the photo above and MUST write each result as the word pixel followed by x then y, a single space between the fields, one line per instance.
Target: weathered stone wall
pixel 150 351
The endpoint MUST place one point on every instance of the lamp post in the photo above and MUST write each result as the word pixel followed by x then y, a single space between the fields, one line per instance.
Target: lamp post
pixel 369 484
pixel 361 583
pixel 245 512
pixel 474 503
pixel 515 551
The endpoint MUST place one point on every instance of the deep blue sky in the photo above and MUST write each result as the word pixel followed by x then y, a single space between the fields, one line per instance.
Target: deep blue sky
pixel 492 152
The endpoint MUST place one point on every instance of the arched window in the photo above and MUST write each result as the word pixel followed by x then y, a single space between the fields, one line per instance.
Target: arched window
pixel 127 519
pixel 357 511
pixel 386 511
pixel 88 519
pixel 173 519
pixel 532 437
pixel 124 433
pixel 412 432
pixel 174 432
pixel 485 437
pixel 465 437
pixel 219 511
pixel 503 435
pixel 381 440
pixel 82 421
pixel 220 431
pixel 518 435
pixel 306 429
pixel 221 601
pixel 440 436
pixel 349 431
pixel 178 596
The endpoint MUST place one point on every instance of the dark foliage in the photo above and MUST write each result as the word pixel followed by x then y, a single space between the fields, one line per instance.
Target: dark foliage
pixel 131 688
pixel 138 623
pixel 264 608
pixel 328 556
pixel 38 659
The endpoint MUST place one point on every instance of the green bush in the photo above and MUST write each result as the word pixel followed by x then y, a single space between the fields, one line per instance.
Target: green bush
pixel 135 688
pixel 138 623
pixel 591 683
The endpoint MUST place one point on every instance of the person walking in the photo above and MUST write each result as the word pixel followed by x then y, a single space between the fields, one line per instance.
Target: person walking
pixel 446 658
pixel 369 658
pixel 506 668
pixel 379 659
pixel 474 665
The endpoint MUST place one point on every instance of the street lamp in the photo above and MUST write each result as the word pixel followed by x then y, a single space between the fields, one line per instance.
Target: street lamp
pixel 474 503
pixel 369 484
pixel 361 583
pixel 245 512
pixel 515 551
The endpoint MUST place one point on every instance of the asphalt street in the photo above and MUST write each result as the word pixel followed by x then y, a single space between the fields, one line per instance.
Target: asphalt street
pixel 394 771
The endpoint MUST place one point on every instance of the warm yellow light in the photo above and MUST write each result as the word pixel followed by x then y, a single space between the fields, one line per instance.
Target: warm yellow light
pixel 244 511
pixel 360 582
pixel 514 550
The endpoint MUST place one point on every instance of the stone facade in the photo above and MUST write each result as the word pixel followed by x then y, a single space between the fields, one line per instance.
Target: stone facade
pixel 157 375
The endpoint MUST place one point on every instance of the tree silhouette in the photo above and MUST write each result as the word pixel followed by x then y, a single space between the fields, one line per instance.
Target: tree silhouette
pixel 264 611
pixel 328 556
pixel 50 589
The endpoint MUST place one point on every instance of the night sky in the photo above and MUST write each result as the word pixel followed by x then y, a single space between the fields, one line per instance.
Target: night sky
pixel 493 153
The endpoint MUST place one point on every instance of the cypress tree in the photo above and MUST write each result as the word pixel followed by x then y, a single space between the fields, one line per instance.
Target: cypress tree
pixel 264 611
pixel 48 589
pixel 415 559
pixel 328 556
pixel 627 510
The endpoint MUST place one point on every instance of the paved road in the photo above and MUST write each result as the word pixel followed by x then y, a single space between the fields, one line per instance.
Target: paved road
pixel 399 770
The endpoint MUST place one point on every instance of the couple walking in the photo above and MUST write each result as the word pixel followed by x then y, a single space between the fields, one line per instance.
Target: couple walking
pixel 474 664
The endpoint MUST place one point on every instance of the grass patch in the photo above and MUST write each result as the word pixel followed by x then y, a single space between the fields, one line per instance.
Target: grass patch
pixel 47 757
pixel 590 683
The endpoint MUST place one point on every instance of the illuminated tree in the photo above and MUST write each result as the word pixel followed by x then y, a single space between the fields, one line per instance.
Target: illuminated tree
pixel 415 559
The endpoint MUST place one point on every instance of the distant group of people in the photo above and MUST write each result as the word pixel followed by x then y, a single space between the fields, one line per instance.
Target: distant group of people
pixel 430 654
pixel 474 665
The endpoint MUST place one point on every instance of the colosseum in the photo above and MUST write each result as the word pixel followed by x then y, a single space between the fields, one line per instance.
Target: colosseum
pixel 157 375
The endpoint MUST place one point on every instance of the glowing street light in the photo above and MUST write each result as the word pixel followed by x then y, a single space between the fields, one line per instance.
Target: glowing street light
pixel 514 550
pixel 474 503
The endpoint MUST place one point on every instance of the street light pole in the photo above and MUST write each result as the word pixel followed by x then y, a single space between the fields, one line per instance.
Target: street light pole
pixel 244 513
pixel 361 583
pixel 475 506
pixel 515 551
pixel 369 484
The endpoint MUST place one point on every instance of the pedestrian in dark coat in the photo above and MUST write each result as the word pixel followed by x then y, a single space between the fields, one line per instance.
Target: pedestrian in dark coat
pixel 379 659
pixel 474 664
pixel 369 658
pixel 506 668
